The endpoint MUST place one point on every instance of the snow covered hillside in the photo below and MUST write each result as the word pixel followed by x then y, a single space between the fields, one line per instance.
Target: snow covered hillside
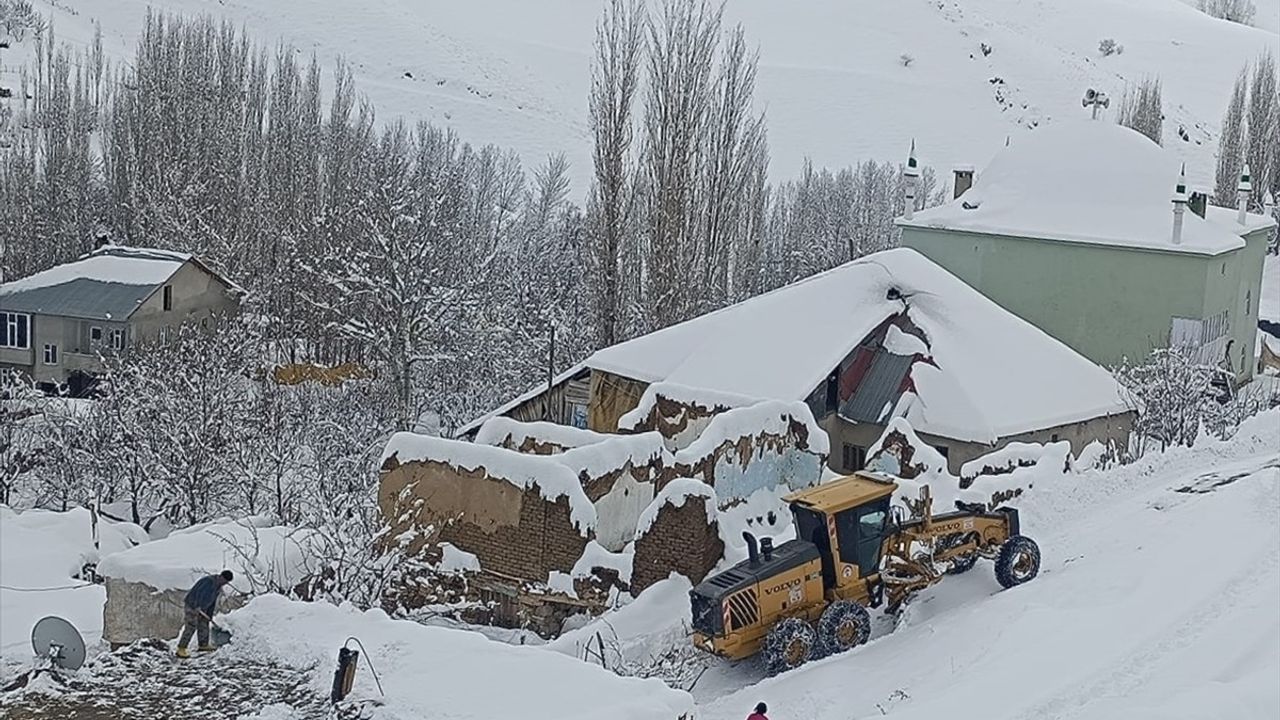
pixel 841 81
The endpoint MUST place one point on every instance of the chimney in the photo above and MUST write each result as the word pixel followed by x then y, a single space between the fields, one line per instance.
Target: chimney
pixel 1179 205
pixel 1242 194
pixel 1199 202
pixel 911 173
pixel 963 180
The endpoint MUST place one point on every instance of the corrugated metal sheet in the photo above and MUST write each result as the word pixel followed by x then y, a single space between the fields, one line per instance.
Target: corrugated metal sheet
pixel 80 298
pixel 879 387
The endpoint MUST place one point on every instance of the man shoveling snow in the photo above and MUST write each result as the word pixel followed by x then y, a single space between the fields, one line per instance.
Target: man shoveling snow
pixel 197 611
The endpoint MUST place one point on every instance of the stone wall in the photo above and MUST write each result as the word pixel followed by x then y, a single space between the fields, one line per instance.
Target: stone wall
pixel 681 540
pixel 136 611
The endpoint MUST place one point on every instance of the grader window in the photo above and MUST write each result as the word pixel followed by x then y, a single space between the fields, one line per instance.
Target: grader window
pixel 860 531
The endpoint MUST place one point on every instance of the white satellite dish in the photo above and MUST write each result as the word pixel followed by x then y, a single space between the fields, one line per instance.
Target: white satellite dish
pixel 58 642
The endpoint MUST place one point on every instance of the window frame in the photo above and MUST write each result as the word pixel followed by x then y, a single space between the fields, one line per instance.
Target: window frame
pixel 50 354
pixel 858 452
pixel 117 339
pixel 166 298
pixel 10 324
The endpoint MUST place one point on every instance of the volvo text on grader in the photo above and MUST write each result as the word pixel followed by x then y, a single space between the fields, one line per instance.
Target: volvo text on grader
pixel 808 597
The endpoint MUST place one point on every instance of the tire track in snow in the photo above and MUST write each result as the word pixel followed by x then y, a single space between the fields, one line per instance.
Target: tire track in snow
pixel 1122 677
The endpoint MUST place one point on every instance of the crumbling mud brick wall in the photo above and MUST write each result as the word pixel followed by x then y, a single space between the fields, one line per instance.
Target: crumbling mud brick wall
pixel 681 540
pixel 512 530
pixel 748 449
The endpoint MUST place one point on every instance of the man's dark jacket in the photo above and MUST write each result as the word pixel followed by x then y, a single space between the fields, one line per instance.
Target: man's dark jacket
pixel 203 596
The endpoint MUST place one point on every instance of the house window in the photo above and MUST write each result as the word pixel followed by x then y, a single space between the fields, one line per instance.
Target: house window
pixel 168 297
pixel 1053 437
pixel 50 354
pixel 854 457
pixel 1248 302
pixel 117 339
pixel 15 330
pixel 95 337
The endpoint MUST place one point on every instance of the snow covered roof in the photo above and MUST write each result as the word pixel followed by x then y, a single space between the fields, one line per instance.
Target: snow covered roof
pixel 250 548
pixel 1084 182
pixel 991 374
pixel 108 283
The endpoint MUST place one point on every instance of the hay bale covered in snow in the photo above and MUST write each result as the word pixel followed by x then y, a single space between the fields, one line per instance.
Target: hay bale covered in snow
pixel 146 585
pixel 678 533
pixel 521 515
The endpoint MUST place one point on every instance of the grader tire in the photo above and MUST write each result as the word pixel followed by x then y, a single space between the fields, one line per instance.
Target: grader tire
pixel 1017 562
pixel 962 564
pixel 845 624
pixel 789 644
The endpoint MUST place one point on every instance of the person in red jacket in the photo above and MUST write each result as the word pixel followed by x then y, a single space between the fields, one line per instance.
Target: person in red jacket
pixel 759 714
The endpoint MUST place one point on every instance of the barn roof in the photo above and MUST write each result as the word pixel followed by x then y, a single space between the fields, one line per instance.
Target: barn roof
pixel 987 373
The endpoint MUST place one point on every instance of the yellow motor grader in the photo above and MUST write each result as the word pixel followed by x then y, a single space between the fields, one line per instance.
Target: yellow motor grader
pixel 808 597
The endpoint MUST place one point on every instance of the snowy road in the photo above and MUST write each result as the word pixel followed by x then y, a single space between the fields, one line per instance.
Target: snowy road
pixel 1153 602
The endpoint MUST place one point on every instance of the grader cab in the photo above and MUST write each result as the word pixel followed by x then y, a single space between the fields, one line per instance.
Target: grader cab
pixel 809 597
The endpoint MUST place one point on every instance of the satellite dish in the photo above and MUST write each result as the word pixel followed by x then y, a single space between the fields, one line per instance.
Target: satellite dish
pixel 59 642
pixel 1089 96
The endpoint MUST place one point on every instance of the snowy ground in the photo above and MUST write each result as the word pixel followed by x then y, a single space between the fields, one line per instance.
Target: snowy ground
pixel 41 552
pixel 1157 599
pixel 833 76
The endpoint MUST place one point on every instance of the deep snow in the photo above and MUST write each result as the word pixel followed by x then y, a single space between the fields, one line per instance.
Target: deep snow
pixel 839 90
pixel 41 552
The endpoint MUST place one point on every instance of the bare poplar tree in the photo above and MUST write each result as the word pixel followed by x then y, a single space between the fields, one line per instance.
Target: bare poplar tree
pixel 1263 144
pixel 1141 109
pixel 1231 144
pixel 614 83
pixel 1237 11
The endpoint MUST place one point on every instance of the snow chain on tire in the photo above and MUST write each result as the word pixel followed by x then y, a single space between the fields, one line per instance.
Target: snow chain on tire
pixel 789 644
pixel 1017 562
pixel 844 624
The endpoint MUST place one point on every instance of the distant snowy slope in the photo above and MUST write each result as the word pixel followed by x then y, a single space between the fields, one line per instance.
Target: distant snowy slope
pixel 832 73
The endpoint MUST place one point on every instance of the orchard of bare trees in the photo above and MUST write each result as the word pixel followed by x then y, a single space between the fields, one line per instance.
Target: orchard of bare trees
pixel 443 267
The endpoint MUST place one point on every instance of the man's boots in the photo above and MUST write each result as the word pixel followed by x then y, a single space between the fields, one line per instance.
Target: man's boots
pixel 208 648
pixel 184 653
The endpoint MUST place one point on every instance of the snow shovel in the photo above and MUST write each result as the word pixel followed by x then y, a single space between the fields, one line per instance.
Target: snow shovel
pixel 218 635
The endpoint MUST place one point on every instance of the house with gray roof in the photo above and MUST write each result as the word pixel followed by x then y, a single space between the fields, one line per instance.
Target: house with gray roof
pixel 56 325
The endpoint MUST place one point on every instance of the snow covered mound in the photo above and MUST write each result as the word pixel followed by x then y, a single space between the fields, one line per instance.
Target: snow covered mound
pixel 432 672
pixel 261 555
pixel 41 552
